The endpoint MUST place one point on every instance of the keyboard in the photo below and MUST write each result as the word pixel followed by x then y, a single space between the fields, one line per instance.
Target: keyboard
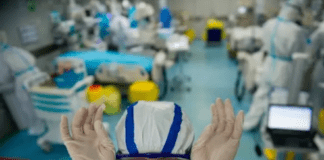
pixel 293 142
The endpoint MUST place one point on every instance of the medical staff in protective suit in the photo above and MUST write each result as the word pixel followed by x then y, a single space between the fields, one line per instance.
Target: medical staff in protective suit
pixel 282 37
pixel 18 65
pixel 150 130
pixel 316 48
pixel 315 42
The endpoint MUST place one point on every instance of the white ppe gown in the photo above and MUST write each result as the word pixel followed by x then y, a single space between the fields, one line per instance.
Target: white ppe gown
pixel 20 65
pixel 281 39
pixel 119 26
pixel 316 42
pixel 316 48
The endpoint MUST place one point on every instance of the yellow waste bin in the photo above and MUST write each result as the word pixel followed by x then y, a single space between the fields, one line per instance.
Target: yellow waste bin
pixel 94 92
pixel 290 155
pixel 109 95
pixel 145 90
pixel 270 154
pixel 214 24
pixel 321 122
pixel 191 34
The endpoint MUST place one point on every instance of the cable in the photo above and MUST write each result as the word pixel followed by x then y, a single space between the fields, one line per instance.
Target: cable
pixel 165 84
pixel 239 95
pixel 257 147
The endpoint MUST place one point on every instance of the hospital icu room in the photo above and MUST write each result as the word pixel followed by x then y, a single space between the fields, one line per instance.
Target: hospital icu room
pixel 162 79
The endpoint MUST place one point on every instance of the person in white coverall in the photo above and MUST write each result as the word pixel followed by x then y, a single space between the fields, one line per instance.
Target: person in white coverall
pixel 316 47
pixel 282 37
pixel 315 42
pixel 151 130
pixel 17 65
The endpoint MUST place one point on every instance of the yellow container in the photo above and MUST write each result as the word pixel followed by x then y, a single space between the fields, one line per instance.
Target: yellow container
pixel 214 24
pixel 109 95
pixel 270 154
pixel 94 92
pixel 113 101
pixel 321 122
pixel 290 155
pixel 145 90
pixel 228 46
pixel 191 34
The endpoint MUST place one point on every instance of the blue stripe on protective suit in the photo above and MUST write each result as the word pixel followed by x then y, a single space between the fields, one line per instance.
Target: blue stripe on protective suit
pixel 273 48
pixel 153 155
pixel 104 24
pixel 4 46
pixel 174 130
pixel 283 58
pixel 19 73
pixel 309 41
pixel 131 15
pixel 80 89
pixel 51 102
pixel 93 59
pixel 55 110
pixel 48 96
pixel 130 129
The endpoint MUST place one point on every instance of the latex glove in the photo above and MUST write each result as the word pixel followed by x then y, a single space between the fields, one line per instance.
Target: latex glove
pixel 89 139
pixel 221 138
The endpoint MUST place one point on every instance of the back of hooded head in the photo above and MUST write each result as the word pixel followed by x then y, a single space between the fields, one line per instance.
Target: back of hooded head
pixel 153 130
pixel 292 10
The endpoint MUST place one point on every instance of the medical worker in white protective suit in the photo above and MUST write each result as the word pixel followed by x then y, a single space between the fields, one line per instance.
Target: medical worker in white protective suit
pixel 316 47
pixel 119 26
pixel 17 65
pixel 150 130
pixel 282 37
pixel 315 42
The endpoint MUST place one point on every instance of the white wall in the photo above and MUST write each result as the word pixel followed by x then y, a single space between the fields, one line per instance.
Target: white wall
pixel 14 14
pixel 203 9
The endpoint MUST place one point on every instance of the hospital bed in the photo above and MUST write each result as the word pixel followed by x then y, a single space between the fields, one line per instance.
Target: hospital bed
pixel 51 102
pixel 93 59
pixel 98 61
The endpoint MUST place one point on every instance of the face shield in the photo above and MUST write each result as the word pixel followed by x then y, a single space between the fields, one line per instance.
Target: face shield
pixel 154 130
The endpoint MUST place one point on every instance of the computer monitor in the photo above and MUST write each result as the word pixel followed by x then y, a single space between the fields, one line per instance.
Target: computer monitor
pixel 292 118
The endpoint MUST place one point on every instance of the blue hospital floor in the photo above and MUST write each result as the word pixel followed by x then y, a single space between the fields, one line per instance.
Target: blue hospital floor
pixel 213 75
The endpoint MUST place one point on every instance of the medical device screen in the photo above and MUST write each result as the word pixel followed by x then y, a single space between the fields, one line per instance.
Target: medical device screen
pixel 290 118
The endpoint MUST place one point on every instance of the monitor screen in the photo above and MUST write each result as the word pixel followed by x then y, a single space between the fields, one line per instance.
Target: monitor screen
pixel 290 118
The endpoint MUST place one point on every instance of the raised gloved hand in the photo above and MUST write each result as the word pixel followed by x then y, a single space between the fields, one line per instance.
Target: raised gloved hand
pixel 221 138
pixel 89 139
